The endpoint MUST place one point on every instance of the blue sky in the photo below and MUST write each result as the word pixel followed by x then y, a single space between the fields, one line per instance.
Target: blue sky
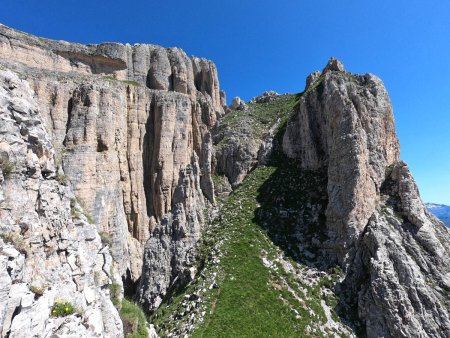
pixel 273 45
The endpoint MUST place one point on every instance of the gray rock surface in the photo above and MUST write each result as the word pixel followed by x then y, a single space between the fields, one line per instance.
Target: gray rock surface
pixel 127 123
pixel 48 249
pixel 395 253
pixel 399 279
pixel 238 104
pixel 345 123
pixel 265 97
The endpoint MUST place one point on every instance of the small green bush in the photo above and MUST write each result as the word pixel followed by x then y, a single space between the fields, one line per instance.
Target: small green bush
pixel 115 293
pixel 7 167
pixel 62 308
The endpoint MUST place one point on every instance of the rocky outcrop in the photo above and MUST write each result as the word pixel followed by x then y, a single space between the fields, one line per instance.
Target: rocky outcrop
pixel 244 137
pixel 130 126
pixel 48 249
pixel 399 278
pixel 344 123
pixel 238 104
pixel 265 97
pixel 394 252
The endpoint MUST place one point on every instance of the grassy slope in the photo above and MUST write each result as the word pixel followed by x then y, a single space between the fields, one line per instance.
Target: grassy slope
pixel 252 299
pixel 258 276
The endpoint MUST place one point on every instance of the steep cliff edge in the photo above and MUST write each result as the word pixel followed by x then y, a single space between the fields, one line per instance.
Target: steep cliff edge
pixel 131 129
pixel 49 252
pixel 395 253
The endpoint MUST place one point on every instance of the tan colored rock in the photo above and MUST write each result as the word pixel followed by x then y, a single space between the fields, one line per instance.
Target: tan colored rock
pixel 123 146
pixel 345 123
pixel 395 254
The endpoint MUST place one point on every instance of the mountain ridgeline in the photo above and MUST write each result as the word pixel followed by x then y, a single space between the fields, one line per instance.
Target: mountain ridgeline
pixel 134 201
pixel 441 211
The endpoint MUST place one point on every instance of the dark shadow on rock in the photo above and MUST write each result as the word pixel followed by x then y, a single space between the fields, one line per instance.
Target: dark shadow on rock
pixel 129 286
pixel 292 213
pixel 147 156
pixel 292 208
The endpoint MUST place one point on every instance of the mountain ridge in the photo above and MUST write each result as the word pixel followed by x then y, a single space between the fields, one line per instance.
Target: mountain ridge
pixel 202 210
pixel 441 211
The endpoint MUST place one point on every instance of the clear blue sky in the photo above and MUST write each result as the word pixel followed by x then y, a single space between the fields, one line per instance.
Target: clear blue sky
pixel 262 45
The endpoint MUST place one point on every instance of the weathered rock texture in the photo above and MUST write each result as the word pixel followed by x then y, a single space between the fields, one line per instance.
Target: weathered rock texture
pixel 395 253
pixel 399 279
pixel 48 250
pixel 243 138
pixel 131 128
pixel 121 136
pixel 345 123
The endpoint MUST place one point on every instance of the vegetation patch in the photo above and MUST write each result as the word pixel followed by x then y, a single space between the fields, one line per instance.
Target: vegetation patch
pixel 106 238
pixel 115 294
pixel 251 281
pixel 77 207
pixel 255 122
pixel 62 308
pixel 134 321
pixel 62 179
pixel 7 167
pixel 254 298
pixel 129 82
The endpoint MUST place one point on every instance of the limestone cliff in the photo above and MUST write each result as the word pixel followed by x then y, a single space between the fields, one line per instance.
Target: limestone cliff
pixel 48 249
pixel 395 252
pixel 130 127
pixel 107 159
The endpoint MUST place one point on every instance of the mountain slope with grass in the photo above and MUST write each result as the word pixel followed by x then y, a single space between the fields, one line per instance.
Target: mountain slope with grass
pixel 134 202
pixel 249 286
pixel 310 242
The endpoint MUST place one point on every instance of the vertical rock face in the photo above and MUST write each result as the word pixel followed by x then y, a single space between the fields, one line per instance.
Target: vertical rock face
pixel 395 253
pixel 345 123
pixel 48 250
pixel 131 130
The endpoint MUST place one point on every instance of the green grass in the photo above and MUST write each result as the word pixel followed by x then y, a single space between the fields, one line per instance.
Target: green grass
pixel 115 293
pixel 252 300
pixel 135 323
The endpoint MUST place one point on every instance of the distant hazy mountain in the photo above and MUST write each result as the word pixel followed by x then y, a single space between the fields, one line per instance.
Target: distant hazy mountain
pixel 440 211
